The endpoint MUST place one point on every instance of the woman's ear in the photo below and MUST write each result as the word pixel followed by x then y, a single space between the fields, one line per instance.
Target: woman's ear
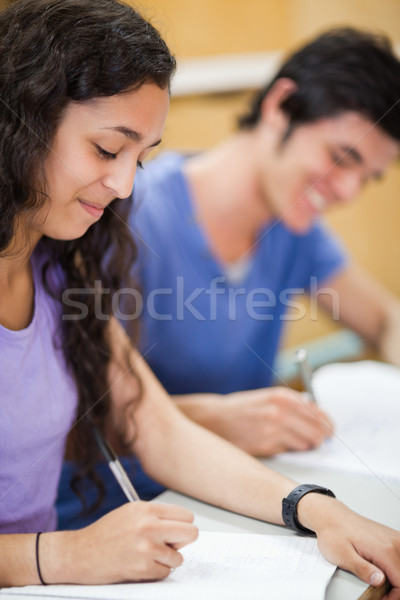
pixel 271 112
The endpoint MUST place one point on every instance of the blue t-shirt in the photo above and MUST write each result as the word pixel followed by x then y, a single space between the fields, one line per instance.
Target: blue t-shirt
pixel 199 332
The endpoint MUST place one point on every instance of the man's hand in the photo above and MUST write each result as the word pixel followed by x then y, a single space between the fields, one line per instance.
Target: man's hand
pixel 262 422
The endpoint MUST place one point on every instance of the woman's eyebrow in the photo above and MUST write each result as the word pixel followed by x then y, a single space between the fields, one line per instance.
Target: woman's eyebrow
pixel 131 134
pixel 127 132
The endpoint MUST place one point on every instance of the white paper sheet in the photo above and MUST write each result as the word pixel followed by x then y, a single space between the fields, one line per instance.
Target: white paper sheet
pixel 363 400
pixel 221 566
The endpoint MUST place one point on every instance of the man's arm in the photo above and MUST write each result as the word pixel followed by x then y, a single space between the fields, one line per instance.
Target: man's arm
pixel 364 305
pixel 262 422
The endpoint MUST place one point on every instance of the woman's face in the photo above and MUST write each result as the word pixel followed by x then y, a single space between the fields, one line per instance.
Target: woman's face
pixel 94 157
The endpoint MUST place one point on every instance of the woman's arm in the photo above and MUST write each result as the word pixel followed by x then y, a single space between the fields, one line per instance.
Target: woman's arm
pixel 134 542
pixel 194 461
pixel 141 540
pixel 18 563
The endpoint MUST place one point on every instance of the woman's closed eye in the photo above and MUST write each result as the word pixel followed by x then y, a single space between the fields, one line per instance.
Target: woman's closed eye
pixel 113 155
pixel 104 154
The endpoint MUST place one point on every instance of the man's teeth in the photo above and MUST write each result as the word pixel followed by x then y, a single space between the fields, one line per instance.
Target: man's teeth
pixel 316 199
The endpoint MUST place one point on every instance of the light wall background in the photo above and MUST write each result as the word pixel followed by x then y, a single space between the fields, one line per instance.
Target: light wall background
pixel 370 227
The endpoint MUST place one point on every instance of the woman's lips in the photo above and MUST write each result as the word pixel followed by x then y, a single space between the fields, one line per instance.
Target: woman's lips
pixel 92 209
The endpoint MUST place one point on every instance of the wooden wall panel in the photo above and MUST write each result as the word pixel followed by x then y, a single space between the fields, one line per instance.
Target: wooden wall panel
pixel 308 17
pixel 204 27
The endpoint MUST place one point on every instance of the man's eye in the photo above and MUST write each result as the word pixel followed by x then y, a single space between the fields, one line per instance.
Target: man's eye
pixel 337 159
pixel 341 159
pixel 104 154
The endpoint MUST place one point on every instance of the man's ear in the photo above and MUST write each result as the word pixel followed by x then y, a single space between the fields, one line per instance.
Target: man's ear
pixel 271 112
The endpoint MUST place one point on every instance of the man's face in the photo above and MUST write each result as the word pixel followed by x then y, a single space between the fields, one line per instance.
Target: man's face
pixel 321 164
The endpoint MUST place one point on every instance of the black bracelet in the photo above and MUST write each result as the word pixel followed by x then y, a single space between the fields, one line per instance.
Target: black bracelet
pixel 37 559
pixel 289 505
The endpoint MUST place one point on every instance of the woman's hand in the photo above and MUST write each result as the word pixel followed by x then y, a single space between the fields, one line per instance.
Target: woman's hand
pixel 366 548
pixel 138 541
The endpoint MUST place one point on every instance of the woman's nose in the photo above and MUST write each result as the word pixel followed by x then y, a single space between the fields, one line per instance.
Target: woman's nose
pixel 120 179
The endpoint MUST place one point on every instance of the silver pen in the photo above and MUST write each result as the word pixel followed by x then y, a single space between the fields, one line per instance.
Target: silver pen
pixel 117 469
pixel 306 372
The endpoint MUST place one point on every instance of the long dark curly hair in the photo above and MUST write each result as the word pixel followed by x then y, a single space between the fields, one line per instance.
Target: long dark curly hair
pixel 53 52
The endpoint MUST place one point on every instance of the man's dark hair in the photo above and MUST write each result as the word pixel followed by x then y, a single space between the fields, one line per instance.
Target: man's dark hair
pixel 341 70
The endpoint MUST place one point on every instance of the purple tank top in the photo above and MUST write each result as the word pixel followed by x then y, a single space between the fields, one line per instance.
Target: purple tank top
pixel 38 401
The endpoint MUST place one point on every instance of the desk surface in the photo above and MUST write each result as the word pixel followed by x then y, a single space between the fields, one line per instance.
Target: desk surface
pixel 370 497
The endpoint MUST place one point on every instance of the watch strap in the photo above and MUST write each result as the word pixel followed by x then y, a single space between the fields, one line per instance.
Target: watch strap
pixel 289 505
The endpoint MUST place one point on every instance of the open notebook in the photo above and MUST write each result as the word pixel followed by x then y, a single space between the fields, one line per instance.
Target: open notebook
pixel 220 566
pixel 363 401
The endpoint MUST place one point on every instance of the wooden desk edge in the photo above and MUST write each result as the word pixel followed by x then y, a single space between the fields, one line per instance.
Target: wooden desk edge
pixel 373 593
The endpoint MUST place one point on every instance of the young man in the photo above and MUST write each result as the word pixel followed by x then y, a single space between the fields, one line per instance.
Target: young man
pixel 227 237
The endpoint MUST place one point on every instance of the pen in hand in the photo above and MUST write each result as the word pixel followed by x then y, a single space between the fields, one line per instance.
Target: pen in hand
pixel 305 372
pixel 117 469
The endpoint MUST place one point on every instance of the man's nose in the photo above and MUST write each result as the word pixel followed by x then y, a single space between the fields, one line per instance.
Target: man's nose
pixel 346 185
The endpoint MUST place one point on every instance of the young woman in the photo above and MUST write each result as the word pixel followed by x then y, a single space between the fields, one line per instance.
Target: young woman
pixel 84 96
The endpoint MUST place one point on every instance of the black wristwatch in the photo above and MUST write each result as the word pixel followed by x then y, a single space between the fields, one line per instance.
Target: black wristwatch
pixel 289 505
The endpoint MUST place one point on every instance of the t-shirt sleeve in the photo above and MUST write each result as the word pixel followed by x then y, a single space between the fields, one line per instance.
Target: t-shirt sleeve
pixel 327 255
